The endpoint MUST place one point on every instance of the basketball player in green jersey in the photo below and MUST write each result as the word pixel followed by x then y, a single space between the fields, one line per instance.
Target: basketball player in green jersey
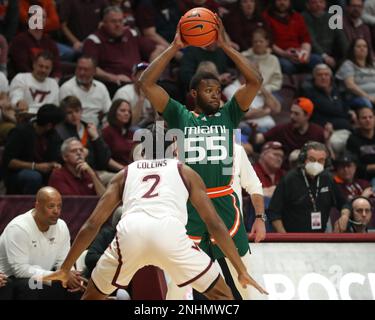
pixel 209 137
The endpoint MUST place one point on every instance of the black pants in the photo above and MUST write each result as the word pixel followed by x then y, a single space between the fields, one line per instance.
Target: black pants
pixel 6 292
pixel 23 291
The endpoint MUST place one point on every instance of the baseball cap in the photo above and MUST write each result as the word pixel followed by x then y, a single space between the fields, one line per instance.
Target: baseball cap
pixel 345 158
pixel 275 145
pixel 305 104
pixel 140 66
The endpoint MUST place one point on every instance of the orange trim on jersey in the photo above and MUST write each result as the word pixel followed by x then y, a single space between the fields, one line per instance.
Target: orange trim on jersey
pixel 219 191
pixel 237 220
pixel 195 239
pixel 194 113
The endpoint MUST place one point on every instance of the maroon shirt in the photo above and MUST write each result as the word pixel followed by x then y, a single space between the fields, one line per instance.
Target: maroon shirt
pixel 240 28
pixel 362 31
pixel 289 32
pixel 114 55
pixel 291 139
pixel 82 16
pixel 351 190
pixel 25 47
pixel 120 144
pixel 264 178
pixel 67 184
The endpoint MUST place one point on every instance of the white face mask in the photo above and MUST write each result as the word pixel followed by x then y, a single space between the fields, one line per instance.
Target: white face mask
pixel 313 168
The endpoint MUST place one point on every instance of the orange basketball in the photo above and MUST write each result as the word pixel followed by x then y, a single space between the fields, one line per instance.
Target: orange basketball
pixel 198 27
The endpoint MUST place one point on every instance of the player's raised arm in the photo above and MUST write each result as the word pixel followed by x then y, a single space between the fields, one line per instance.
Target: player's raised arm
pixel 107 203
pixel 148 80
pixel 216 226
pixel 246 93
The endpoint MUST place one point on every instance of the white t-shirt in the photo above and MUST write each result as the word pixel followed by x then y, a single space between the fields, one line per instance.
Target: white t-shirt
pixel 264 123
pixel 25 87
pixel 26 251
pixel 4 83
pixel 156 188
pixel 244 174
pixel 128 93
pixel 94 101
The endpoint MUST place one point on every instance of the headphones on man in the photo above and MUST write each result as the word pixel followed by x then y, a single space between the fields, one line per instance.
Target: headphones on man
pixel 316 146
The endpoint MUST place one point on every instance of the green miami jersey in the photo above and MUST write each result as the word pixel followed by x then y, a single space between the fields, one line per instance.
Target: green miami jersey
pixel 208 143
pixel 208 149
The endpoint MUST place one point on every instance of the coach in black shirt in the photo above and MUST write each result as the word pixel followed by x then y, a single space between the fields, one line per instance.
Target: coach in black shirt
pixel 304 197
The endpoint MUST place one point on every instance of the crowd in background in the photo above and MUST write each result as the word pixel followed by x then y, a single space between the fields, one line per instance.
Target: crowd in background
pixel 70 102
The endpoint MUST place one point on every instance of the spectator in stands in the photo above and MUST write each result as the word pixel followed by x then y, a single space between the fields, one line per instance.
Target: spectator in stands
pixel 75 177
pixel 368 17
pixel 28 154
pixel 268 64
pixel 268 168
pixel 345 177
pixel 354 27
pixel 261 110
pixel 79 19
pixel 148 47
pixel 114 48
pixel 294 134
pixel 193 56
pixel 30 90
pixel 6 287
pixel 35 243
pixel 362 143
pixel 328 105
pixel 142 111
pixel 98 152
pixel 212 5
pixel 118 134
pixel 9 18
pixel 330 44
pixel 4 83
pixel 360 216
pixel 26 46
pixel 3 55
pixel 292 42
pixel 241 21
pixel 357 74
pixel 7 117
pixel 304 197
pixel 93 94
pixel 158 20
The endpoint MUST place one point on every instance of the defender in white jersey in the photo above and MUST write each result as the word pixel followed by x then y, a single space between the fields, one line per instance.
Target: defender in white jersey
pixel 152 232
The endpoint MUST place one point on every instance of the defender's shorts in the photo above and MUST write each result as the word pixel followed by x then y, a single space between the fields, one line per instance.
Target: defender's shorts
pixel 143 240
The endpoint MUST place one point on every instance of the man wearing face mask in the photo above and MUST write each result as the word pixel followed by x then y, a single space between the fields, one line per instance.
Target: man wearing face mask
pixel 304 197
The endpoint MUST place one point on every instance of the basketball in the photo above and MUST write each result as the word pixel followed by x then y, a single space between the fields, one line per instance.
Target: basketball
pixel 198 27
